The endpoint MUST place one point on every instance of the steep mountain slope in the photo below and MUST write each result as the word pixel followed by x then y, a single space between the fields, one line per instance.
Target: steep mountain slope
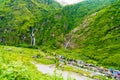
pixel 51 23
pixel 16 16
pixel 98 36
pixel 54 28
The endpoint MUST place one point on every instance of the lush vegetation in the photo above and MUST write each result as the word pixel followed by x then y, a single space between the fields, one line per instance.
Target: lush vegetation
pixel 89 30
pixel 98 36
pixel 50 21
pixel 15 64
pixel 16 17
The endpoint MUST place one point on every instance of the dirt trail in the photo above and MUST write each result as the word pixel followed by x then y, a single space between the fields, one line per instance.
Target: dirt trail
pixel 49 69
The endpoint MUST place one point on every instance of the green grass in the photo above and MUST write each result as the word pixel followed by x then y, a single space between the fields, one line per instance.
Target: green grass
pixel 45 61
pixel 81 72
pixel 101 78
pixel 15 64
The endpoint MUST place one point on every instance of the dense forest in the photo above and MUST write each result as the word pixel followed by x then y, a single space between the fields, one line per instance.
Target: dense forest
pixel 49 19
pixel 89 30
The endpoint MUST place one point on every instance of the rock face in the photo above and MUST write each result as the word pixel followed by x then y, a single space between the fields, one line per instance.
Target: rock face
pixel 1 17
pixel 3 40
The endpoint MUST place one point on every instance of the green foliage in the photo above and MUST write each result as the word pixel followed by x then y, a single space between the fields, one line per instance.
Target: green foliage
pixel 95 40
pixel 101 77
pixel 15 64
pixel 51 21
pixel 81 72
pixel 100 39
pixel 46 61
pixel 14 70
pixel 17 16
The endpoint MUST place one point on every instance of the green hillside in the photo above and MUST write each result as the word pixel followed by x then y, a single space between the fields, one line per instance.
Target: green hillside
pixel 98 36
pixel 50 21
pixel 66 19
pixel 17 16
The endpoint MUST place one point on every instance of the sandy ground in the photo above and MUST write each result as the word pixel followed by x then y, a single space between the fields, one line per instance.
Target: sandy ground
pixel 49 69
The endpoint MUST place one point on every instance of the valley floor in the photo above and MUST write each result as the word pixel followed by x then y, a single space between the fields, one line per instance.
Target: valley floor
pixel 16 64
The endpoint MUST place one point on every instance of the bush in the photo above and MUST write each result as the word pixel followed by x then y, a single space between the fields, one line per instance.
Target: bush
pixel 14 70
